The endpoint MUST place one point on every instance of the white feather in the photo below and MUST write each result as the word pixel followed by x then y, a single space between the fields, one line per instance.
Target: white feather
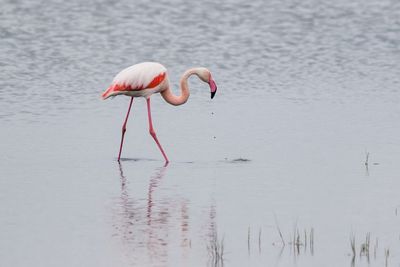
pixel 139 75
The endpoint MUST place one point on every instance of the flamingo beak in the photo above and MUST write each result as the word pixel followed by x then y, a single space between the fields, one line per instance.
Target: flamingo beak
pixel 213 87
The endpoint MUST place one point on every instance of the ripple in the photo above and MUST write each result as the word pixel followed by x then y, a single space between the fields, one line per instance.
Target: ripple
pixel 238 160
pixel 304 51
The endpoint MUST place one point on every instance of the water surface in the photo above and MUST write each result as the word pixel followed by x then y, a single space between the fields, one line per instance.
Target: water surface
pixel 306 90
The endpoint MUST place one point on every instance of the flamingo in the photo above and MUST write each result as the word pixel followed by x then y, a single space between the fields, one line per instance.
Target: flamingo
pixel 147 78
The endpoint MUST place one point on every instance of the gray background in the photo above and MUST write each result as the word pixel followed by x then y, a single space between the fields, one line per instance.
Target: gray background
pixel 305 90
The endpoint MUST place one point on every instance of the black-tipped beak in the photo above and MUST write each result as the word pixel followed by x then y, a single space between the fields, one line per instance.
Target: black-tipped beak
pixel 213 88
pixel 213 94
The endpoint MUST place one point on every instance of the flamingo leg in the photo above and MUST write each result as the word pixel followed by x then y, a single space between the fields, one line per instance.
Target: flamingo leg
pixel 124 129
pixel 153 133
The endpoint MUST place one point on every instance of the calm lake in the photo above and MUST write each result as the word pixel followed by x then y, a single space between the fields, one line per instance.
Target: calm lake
pixel 295 159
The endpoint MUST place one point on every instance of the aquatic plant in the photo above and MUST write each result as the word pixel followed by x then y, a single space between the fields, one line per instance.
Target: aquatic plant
pixel 216 251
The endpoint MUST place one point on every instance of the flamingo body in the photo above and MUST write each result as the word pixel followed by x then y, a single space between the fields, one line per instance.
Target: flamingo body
pixel 139 80
pixel 147 78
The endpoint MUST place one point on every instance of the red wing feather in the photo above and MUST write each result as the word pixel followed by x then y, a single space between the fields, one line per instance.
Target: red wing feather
pixel 157 80
pixel 127 87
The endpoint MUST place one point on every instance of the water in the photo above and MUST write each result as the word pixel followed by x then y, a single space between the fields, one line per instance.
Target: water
pixel 306 89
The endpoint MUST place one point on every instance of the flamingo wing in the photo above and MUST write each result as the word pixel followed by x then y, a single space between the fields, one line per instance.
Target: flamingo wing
pixel 140 76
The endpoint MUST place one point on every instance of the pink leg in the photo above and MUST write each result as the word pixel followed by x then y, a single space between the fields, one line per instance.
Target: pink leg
pixel 153 133
pixel 124 129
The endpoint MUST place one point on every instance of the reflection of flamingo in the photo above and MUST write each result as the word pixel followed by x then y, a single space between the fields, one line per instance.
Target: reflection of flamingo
pixel 147 223
pixel 147 78
pixel 136 218
pixel 154 183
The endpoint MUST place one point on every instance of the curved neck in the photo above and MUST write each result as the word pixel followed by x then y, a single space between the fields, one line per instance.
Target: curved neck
pixel 183 97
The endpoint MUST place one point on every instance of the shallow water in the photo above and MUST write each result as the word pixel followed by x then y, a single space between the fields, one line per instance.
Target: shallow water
pixel 305 90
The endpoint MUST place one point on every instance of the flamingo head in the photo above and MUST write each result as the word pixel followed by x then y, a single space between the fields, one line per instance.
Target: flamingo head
pixel 205 75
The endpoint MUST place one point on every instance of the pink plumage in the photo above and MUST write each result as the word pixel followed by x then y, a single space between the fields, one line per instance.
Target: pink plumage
pixel 142 76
